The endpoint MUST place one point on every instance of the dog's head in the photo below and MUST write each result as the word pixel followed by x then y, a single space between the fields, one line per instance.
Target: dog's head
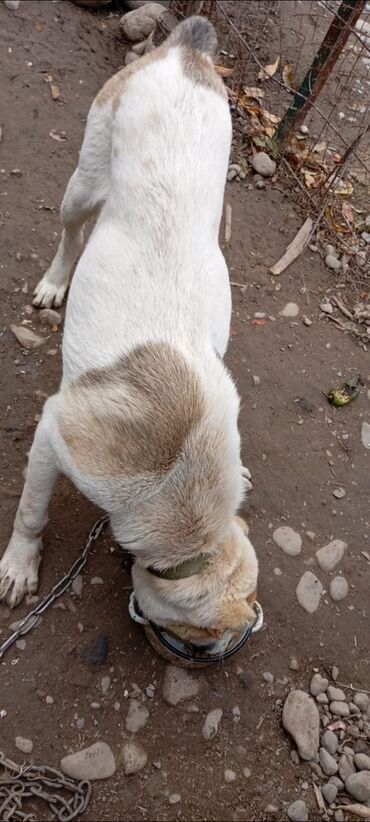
pixel 204 607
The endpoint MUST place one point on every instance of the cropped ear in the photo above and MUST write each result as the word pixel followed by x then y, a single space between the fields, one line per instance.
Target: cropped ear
pixel 235 614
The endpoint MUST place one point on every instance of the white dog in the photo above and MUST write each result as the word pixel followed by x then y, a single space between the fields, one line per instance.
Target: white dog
pixel 145 421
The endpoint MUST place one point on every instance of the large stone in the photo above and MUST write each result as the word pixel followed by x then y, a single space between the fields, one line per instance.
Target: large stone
pixel 134 757
pixel 339 708
pixel 302 721
pixel 362 761
pixel 288 540
pixel 362 701
pixel 308 592
pixel 336 694
pixel 263 164
pixel 178 685
pixel 138 24
pixel 297 811
pixel 27 338
pixel 137 716
pixel 330 555
pixel 96 762
pixel 327 762
pixel 358 786
pixel 329 741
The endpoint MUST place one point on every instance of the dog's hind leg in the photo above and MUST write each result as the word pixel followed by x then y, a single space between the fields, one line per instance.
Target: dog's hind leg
pixel 20 562
pixel 85 194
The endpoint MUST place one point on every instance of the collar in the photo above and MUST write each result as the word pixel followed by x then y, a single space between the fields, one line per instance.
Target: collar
pixel 185 569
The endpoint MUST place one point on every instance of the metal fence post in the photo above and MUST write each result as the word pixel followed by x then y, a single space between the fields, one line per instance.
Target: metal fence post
pixel 331 47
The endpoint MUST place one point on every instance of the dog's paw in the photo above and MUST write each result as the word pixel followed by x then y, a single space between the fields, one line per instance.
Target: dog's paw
pixel 246 474
pixel 19 571
pixel 48 294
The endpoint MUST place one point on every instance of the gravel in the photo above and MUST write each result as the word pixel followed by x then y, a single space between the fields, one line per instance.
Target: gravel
pixel 178 685
pixel 95 762
pixel 327 762
pixel 308 592
pixel 329 741
pixel 318 684
pixel 302 721
pixel 263 164
pixel 338 588
pixel 330 555
pixel 297 811
pixel 288 540
pixel 358 786
pixel 212 723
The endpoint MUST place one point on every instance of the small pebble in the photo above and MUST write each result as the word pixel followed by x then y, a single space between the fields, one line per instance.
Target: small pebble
pixel 288 540
pixel 150 692
pixel 247 773
pixel 290 310
pixel 105 684
pixel 329 792
pixel 338 588
pixel 339 708
pixel 174 798
pixel 322 699
pixel 362 761
pixel 256 380
pixel 336 693
pixel 318 684
pixel 212 723
pixel 50 317
pixel 329 741
pixel 96 581
pixel 339 493
pixel 178 685
pixel 24 745
pixel 306 320
pixel 327 762
pixel 95 762
pixel 21 644
pixel 335 672
pixel 230 776
pixel 365 434
pixel 268 677
pixel 308 592
pixel 80 723
pixel 77 585
pixel 339 815
pixel 263 164
pixel 294 664
pixel 49 700
pixel 362 701
pixel 137 716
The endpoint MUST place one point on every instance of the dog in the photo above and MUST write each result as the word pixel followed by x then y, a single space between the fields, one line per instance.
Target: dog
pixel 145 422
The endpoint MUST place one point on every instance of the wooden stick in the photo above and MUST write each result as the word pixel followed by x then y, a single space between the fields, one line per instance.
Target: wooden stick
pixel 294 249
pixel 228 218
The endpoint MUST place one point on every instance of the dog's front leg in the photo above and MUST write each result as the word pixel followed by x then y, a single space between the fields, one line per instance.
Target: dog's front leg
pixel 20 562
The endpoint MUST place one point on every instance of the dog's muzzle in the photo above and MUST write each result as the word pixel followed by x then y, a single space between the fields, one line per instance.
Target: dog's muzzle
pixel 194 654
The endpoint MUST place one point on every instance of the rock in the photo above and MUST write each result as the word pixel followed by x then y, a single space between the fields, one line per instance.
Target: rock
pixel 178 685
pixel 306 321
pixel 297 811
pixel 333 263
pixel 260 184
pixel 134 757
pixel 308 592
pixel 339 708
pixel 256 380
pixel 95 762
pixel 77 585
pixel 322 699
pixel 138 24
pixel 247 773
pixel 362 701
pixel 80 723
pixel 150 692
pixel 329 741
pixel 230 776
pixel 13 5
pixel 97 581
pixel 304 129
pixel 334 780
pixel 326 306
pixel 268 677
pixel 294 664
pixel 346 767
pixel 212 723
pixel 290 310
pixel 338 588
pixel 25 745
pixel 336 694
pixel 362 761
pixel 335 672
pixel 330 555
pixel 339 815
pixel 329 792
pixel 137 716
pixel 95 652
pixel 49 700
pixel 105 685
pixel 294 757
pixel 174 798
pixel 302 721
pixel 130 57
pixel 21 644
pixel 339 493
pixel 27 338
pixel 318 685
pixel 288 540
pixel 50 317
pixel 327 762
pixel 263 164
pixel 365 434
pixel 353 708
pixel 358 786
pixel 232 173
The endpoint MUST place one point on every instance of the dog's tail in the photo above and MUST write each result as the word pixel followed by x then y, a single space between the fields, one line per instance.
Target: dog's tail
pixel 195 33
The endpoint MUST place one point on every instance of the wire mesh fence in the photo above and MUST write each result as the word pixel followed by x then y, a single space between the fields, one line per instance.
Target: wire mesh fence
pixel 298 74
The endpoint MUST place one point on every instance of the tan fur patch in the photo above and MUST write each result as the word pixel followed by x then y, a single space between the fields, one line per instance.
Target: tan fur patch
pixel 132 418
pixel 200 70
pixel 116 85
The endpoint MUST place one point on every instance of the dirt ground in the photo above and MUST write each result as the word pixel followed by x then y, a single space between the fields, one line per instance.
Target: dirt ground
pixel 289 434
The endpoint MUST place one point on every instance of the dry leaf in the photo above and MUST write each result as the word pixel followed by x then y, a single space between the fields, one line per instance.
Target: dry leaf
pixel 270 131
pixel 224 71
pixel 310 179
pixel 343 188
pixel 272 118
pixel 347 212
pixel 319 148
pixel 39 25
pixel 254 91
pixel 357 809
pixel 269 70
pixel 319 797
pixel 288 77
pixel 59 136
pixel 340 229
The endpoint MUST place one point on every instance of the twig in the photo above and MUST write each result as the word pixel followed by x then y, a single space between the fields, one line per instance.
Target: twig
pixel 342 308
pixel 294 248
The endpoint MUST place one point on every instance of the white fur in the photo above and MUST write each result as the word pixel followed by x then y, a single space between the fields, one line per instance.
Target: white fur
pixel 153 171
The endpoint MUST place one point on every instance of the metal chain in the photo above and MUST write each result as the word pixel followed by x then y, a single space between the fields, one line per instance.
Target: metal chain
pixel 20 782
pixel 30 620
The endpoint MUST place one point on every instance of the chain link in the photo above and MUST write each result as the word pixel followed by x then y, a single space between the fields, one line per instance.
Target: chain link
pixel 31 619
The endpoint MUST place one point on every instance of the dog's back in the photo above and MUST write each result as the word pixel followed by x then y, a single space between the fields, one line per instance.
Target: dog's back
pixel 160 133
